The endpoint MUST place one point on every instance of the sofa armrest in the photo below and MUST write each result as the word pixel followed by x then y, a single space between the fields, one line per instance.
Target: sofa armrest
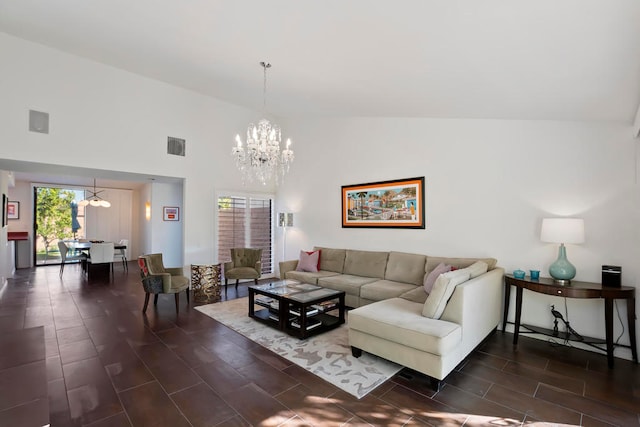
pixel 476 306
pixel 286 266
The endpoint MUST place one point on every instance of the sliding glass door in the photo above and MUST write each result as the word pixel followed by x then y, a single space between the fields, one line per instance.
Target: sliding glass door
pixel 57 218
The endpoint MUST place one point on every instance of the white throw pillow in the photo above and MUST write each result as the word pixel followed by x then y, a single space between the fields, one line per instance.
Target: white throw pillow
pixel 442 290
pixel 476 269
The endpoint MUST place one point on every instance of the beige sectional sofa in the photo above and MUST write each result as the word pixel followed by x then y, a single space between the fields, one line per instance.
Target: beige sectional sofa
pixel 386 290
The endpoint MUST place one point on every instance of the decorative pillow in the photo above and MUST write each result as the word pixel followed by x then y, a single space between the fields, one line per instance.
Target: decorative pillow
pixel 430 278
pixel 442 290
pixel 476 269
pixel 309 261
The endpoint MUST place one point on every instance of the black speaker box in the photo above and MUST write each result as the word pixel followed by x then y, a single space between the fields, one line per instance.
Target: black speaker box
pixel 611 276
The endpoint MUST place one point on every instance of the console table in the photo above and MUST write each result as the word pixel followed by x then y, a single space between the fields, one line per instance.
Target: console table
pixel 575 289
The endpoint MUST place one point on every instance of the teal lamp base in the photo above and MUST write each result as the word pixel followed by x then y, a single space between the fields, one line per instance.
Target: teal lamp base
pixel 562 270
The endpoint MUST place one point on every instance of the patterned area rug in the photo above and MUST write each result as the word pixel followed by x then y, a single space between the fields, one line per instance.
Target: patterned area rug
pixel 326 355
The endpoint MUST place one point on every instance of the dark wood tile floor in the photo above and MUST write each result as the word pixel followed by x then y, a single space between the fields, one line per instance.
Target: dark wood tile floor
pixel 85 353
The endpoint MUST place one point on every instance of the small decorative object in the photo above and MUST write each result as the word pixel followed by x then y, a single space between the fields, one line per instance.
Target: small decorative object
pixel 13 210
pixel 611 276
pixel 562 230
pixel 535 274
pixel 385 204
pixel 518 274
pixel 171 213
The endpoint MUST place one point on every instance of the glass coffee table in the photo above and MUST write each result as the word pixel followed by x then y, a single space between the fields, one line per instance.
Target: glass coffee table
pixel 299 309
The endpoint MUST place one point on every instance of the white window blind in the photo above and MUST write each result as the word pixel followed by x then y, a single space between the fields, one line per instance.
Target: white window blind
pixel 245 222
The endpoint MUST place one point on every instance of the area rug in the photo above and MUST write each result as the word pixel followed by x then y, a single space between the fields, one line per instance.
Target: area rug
pixel 326 355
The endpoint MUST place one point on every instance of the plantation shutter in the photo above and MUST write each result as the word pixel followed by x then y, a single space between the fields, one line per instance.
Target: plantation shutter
pixel 260 227
pixel 245 222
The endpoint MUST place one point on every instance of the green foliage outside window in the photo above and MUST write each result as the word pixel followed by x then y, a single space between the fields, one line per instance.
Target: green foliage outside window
pixel 53 216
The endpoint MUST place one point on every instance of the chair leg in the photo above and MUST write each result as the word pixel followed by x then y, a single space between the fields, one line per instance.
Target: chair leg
pixel 237 280
pixel 177 301
pixel 155 299
pixel 226 285
pixel 187 291
pixel 255 281
pixel 146 302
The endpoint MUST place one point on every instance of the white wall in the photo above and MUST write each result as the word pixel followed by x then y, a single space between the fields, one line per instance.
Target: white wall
pixel 167 234
pixel 6 254
pixel 488 186
pixel 105 118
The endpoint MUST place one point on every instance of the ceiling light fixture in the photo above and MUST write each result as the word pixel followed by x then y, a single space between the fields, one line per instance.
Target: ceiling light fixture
pixel 94 199
pixel 262 160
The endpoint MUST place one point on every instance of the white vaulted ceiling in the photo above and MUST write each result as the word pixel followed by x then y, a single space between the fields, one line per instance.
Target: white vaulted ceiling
pixel 504 59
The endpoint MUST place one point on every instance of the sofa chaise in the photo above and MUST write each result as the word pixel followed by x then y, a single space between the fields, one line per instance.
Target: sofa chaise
pixel 395 318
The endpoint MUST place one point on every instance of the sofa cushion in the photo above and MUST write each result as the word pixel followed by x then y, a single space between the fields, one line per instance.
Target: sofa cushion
pixel 308 277
pixel 308 261
pixel 430 278
pixel 399 320
pixel 416 295
pixel 331 259
pixel 442 291
pixel 432 262
pixel 345 282
pixel 365 263
pixel 384 289
pixel 406 268
pixel 476 269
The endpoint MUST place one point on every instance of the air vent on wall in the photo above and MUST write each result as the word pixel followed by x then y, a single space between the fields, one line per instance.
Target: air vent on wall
pixel 38 121
pixel 176 146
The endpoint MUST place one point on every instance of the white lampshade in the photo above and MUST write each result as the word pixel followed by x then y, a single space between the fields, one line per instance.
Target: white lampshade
pixel 562 230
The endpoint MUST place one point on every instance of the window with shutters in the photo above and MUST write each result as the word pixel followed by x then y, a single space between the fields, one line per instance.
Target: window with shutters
pixel 246 222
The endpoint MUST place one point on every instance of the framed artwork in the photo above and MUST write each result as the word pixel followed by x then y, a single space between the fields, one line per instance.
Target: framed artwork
pixel 171 213
pixel 13 210
pixel 385 204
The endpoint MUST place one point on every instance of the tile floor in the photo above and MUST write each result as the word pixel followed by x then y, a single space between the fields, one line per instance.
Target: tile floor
pixel 79 353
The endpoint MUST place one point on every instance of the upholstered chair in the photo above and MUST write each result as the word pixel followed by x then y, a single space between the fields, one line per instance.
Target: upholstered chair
pixel 245 264
pixel 156 279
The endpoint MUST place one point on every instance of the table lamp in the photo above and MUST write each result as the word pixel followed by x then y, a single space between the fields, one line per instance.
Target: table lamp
pixel 562 230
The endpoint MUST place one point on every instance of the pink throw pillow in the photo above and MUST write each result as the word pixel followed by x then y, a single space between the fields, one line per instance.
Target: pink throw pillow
pixel 430 279
pixel 309 261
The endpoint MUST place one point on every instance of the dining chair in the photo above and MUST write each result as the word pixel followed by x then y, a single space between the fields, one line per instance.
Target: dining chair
pixel 122 253
pixel 246 263
pixel 65 257
pixel 157 279
pixel 100 259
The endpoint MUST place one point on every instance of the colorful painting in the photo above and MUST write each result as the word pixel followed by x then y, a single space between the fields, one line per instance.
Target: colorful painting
pixel 398 204
pixel 171 213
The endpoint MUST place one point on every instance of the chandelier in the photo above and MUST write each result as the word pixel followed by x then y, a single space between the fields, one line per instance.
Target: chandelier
pixel 262 160
pixel 94 199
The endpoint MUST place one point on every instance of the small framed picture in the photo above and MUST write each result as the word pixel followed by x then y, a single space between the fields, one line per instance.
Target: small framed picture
pixel 171 213
pixel 13 210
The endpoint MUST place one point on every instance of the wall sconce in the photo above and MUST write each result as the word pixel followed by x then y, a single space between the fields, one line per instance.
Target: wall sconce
pixel 147 210
pixel 285 219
